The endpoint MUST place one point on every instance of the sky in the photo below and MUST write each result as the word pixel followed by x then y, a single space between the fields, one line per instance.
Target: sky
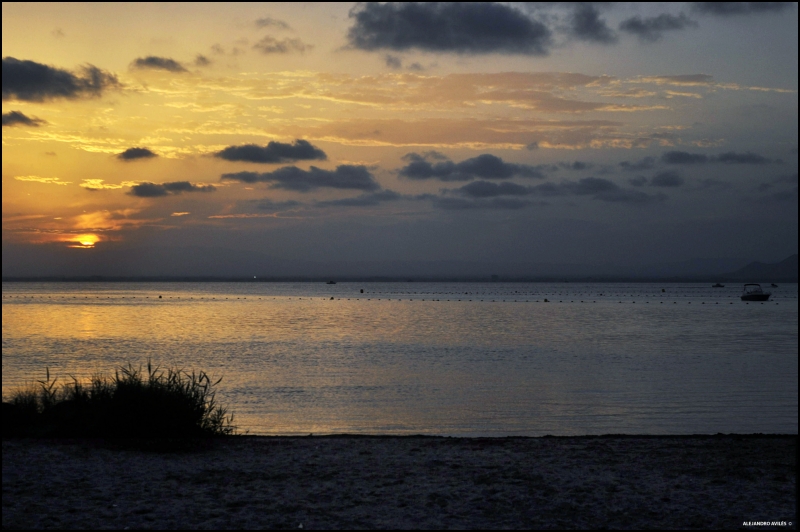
pixel 291 139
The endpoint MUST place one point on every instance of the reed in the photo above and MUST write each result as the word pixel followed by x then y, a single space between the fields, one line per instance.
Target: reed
pixel 162 404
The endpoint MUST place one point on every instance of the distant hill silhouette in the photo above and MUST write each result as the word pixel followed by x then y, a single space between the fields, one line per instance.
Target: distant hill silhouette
pixel 785 270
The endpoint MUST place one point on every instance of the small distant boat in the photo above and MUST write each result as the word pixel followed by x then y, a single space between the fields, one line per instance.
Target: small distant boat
pixel 331 282
pixel 753 292
pixel 717 285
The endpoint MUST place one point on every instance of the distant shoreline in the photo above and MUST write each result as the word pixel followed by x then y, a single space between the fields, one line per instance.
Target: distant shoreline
pixel 378 279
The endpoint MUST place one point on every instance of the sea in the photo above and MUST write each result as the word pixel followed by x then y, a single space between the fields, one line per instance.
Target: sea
pixel 452 359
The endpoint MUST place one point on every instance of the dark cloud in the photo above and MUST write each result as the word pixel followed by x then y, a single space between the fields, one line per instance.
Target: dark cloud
pixel 269 22
pixel 468 28
pixel 35 82
pixel 783 197
pixel 670 178
pixel 741 158
pixel 274 152
pixel 777 181
pixel 550 189
pixel 645 163
pixel 653 28
pixel 429 155
pixel 682 157
pixel 269 205
pixel 364 200
pixel 132 154
pixel 605 190
pixel 293 178
pixel 271 45
pixel 586 25
pixel 393 62
pixel 201 60
pixel 460 204
pixel 484 166
pixel 152 62
pixel 16 118
pixel 711 184
pixel 740 8
pixel 577 165
pixel 486 189
pixel 635 197
pixel 154 190
pixel 593 186
pixel 638 181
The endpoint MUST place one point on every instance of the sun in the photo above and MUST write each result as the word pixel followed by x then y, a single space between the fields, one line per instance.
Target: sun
pixel 85 241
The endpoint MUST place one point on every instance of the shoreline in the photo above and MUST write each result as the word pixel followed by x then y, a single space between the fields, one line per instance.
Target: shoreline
pixel 362 481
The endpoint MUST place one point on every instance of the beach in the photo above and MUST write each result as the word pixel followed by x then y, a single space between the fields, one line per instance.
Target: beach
pixel 340 482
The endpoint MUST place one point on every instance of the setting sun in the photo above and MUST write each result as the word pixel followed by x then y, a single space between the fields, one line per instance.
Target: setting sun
pixel 83 241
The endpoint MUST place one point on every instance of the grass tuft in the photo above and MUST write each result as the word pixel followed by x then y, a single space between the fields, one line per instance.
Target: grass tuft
pixel 133 404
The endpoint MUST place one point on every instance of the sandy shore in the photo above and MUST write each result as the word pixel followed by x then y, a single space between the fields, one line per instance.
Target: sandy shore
pixel 405 482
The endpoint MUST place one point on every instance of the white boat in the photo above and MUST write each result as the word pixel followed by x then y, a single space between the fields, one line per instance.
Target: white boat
pixel 753 292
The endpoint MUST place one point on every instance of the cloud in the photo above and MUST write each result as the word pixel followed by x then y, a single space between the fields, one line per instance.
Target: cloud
pixel 393 62
pixel 271 45
pixel 201 60
pixel 742 158
pixel 464 28
pixel 484 166
pixel 274 152
pixel 487 189
pixel 596 188
pixel 638 181
pixel 16 118
pixel 670 178
pixel 653 28
pixel 152 62
pixel 154 190
pixel 269 22
pixel 132 154
pixel 788 178
pixel 577 165
pixel 685 80
pixel 364 200
pixel 605 190
pixel 94 185
pixel 35 82
pixel 586 25
pixel 740 8
pixel 45 180
pixel 293 178
pixel 645 163
pixel 460 204
pixel 269 205
pixel 682 157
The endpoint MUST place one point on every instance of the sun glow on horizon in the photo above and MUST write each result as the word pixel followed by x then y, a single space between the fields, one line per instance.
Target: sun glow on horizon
pixel 85 241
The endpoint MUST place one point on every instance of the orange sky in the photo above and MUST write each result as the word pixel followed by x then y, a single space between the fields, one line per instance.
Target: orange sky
pixel 583 122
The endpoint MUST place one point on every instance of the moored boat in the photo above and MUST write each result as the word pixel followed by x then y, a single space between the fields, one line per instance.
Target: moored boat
pixel 753 292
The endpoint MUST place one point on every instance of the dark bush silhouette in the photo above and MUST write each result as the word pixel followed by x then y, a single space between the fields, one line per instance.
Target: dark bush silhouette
pixel 170 404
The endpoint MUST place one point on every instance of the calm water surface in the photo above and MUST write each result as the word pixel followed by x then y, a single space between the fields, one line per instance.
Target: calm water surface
pixel 433 358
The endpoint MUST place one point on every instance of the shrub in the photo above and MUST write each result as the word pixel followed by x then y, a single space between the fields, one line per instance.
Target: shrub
pixel 162 404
